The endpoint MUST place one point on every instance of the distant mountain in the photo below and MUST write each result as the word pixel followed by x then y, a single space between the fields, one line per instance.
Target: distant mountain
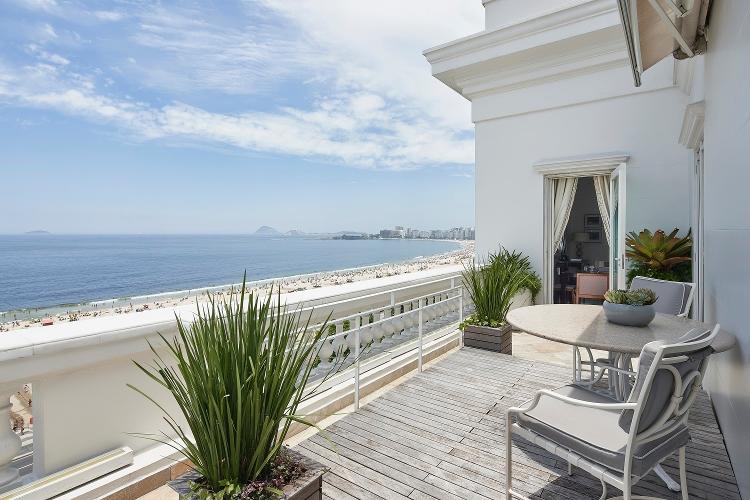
pixel 38 231
pixel 266 231
pixel 295 233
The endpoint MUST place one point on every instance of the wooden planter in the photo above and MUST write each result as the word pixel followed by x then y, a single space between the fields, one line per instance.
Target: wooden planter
pixel 309 486
pixel 490 339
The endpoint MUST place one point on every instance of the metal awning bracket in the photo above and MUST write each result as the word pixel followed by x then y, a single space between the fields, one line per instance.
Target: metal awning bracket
pixel 672 28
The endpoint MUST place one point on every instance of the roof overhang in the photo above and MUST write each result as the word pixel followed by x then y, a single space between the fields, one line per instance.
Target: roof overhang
pixel 654 29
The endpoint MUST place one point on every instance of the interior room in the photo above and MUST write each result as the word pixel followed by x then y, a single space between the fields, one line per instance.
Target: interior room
pixel 582 259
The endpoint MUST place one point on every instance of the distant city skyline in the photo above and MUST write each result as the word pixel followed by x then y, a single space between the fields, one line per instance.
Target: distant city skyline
pixel 172 118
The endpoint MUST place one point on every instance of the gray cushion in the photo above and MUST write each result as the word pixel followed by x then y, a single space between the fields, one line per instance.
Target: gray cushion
pixel 672 295
pixel 594 433
pixel 661 388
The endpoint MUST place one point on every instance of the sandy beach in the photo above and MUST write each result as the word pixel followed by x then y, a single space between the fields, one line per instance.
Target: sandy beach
pixel 286 284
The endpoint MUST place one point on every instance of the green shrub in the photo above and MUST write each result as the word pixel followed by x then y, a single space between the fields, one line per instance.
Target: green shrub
pixel 492 285
pixel 238 374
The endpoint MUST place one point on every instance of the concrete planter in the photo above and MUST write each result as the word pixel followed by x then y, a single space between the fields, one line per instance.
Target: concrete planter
pixel 490 339
pixel 309 486
pixel 628 315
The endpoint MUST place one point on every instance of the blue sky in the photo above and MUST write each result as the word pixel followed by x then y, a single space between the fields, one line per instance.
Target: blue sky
pixel 212 117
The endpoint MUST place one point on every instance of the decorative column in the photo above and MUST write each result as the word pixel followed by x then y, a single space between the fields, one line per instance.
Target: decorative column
pixel 10 442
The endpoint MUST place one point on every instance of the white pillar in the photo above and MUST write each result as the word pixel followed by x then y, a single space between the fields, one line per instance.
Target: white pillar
pixel 10 442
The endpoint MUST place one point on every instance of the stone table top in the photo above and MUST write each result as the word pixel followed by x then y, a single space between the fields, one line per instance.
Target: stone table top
pixel 586 326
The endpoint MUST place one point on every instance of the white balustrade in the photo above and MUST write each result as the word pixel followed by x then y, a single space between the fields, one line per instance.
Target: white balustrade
pixel 82 368
pixel 10 442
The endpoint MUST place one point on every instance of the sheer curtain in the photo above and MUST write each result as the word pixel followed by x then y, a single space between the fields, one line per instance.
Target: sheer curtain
pixel 601 185
pixel 565 193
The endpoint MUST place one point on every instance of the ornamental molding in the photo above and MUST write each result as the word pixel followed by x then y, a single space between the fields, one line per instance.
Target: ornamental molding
pixel 578 40
pixel 589 165
pixel 692 125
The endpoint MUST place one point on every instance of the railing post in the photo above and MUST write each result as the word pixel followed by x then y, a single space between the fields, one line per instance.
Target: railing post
pixel 10 442
pixel 356 367
pixel 460 305
pixel 460 316
pixel 421 310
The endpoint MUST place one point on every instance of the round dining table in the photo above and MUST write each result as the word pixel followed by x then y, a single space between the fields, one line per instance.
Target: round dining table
pixel 585 326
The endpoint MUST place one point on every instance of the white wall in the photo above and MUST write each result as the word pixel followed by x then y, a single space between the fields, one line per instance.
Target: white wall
pixel 499 13
pixel 645 126
pixel 727 220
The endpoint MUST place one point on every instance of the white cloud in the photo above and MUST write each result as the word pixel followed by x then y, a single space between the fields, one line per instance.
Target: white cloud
pixel 375 104
pixel 108 15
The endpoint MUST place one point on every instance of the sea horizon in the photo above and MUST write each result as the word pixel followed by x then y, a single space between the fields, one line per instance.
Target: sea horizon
pixel 88 271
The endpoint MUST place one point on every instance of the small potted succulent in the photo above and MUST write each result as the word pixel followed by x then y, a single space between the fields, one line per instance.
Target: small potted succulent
pixel 630 307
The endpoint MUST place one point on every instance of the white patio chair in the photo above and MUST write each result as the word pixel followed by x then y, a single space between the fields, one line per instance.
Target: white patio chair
pixel 674 297
pixel 619 442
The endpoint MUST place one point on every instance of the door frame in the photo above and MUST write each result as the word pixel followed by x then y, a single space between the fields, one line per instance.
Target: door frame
pixel 585 166
pixel 691 136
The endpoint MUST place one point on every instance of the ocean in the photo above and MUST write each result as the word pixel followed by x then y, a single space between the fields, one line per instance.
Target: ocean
pixel 41 271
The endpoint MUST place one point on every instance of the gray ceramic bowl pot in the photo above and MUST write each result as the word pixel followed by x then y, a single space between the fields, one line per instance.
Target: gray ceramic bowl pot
pixel 628 315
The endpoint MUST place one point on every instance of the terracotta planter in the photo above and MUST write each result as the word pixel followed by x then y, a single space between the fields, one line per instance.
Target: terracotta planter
pixel 309 486
pixel 490 339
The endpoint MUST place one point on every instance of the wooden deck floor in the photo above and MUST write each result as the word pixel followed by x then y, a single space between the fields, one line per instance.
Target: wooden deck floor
pixel 441 433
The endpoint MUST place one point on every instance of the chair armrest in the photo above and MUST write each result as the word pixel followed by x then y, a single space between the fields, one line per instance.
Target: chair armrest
pixel 573 401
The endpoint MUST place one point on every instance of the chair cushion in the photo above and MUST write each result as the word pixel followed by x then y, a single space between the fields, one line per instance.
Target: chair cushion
pixel 595 433
pixel 662 387
pixel 672 295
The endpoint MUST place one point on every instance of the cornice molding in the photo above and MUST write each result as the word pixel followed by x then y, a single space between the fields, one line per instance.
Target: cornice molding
pixel 692 125
pixel 582 165
pixel 547 22
pixel 581 39
pixel 591 53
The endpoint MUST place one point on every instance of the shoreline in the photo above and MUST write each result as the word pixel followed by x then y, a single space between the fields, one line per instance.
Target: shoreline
pixel 135 304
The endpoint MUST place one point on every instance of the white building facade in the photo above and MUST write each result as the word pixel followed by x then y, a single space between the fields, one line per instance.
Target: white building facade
pixel 552 94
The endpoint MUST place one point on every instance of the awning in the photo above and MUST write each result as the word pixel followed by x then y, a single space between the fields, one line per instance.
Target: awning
pixel 654 29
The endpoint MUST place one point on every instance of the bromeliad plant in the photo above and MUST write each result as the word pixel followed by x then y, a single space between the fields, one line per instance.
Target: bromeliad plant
pixel 658 255
pixel 492 285
pixel 238 374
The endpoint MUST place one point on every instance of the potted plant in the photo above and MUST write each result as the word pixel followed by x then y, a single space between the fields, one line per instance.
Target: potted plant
pixel 238 373
pixel 658 255
pixel 492 286
pixel 630 307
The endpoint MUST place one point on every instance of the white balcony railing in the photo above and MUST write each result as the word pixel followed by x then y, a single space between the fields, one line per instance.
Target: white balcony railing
pixel 82 408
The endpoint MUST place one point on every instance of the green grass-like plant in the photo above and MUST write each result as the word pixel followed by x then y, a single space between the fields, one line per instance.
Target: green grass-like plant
pixel 493 283
pixel 238 374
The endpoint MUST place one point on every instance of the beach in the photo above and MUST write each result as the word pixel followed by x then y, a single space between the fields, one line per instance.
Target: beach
pixel 289 284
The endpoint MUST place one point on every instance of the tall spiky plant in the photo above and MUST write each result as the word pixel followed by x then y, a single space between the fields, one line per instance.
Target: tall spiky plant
pixel 493 283
pixel 238 374
pixel 659 255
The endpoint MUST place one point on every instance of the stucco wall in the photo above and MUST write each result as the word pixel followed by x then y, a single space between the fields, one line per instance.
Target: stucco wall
pixel 645 126
pixel 727 221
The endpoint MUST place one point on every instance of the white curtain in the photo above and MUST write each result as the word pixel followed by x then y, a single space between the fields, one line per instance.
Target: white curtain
pixel 565 194
pixel 601 184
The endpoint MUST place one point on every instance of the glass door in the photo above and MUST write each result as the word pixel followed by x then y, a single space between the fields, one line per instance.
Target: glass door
pixel 617 261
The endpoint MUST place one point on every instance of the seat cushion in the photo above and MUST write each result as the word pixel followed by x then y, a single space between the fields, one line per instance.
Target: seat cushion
pixel 595 434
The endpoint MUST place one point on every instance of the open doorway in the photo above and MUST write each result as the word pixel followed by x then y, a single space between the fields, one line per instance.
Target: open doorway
pixel 581 260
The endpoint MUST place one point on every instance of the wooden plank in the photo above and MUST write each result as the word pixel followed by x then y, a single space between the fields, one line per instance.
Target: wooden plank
pixel 441 434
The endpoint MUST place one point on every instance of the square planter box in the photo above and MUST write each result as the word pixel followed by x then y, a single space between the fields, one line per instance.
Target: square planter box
pixel 309 486
pixel 490 339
